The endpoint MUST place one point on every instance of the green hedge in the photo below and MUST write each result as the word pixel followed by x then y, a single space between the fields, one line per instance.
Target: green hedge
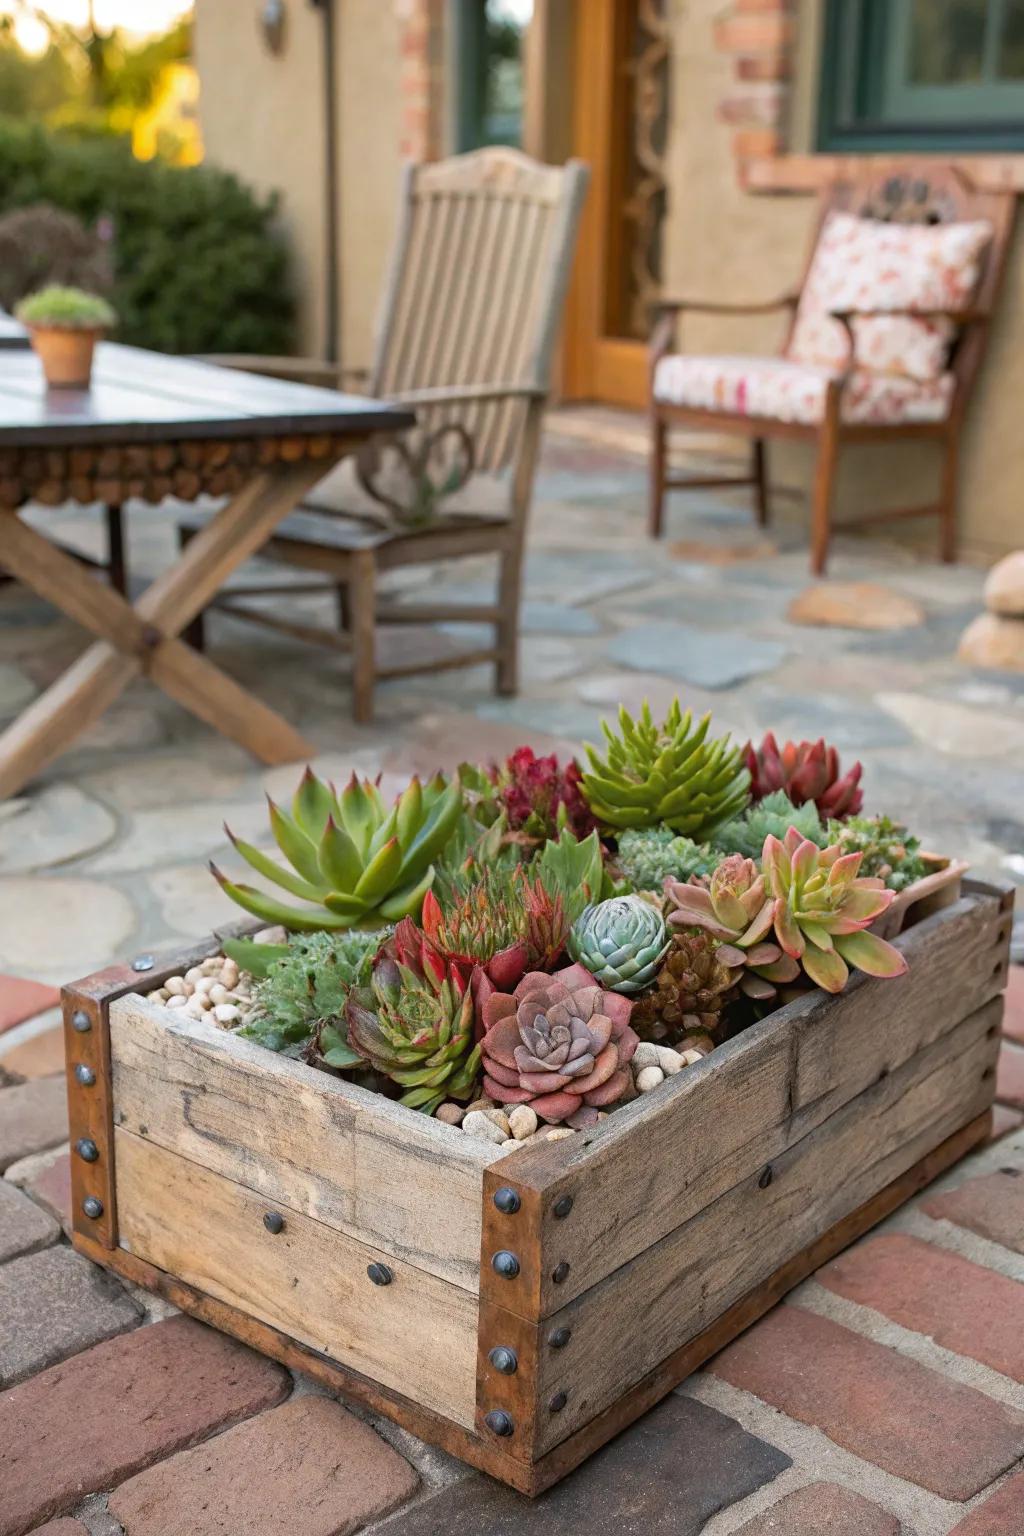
pixel 199 261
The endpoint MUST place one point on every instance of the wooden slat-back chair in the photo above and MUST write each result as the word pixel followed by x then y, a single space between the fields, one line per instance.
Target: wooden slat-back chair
pixel 468 327
pixel 922 192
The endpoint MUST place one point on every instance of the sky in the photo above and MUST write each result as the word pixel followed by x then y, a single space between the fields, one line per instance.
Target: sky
pixel 136 16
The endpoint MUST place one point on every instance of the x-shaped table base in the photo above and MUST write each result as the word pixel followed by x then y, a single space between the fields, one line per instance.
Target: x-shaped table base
pixel 143 638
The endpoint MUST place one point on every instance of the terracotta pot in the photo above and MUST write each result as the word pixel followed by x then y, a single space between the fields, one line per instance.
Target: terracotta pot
pixel 66 355
pixel 939 888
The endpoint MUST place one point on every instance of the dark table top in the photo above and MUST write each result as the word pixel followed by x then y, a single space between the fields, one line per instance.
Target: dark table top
pixel 12 332
pixel 145 397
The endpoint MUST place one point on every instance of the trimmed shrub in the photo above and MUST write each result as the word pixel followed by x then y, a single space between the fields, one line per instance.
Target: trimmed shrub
pixel 199 263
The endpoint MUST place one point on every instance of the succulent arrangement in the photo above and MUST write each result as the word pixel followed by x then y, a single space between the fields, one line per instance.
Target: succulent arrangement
pixel 522 948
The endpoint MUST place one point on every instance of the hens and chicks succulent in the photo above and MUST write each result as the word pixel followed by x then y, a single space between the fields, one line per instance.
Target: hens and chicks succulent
pixel 516 931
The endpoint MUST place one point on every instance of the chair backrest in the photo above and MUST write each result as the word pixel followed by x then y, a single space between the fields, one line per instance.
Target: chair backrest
pixel 477 286
pixel 929 192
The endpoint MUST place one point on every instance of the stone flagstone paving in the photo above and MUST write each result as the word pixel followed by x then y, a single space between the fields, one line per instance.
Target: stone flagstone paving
pixel 883 1397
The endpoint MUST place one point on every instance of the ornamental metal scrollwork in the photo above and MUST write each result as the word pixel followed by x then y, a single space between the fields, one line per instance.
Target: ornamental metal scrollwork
pixel 411 474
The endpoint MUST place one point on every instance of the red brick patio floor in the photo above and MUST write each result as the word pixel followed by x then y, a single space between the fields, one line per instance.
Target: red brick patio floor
pixel 884 1396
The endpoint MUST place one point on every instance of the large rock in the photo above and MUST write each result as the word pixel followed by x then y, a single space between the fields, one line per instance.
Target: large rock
pixel 993 641
pixel 1004 589
pixel 855 605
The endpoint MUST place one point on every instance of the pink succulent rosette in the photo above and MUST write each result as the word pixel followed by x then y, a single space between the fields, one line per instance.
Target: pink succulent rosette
pixel 560 1044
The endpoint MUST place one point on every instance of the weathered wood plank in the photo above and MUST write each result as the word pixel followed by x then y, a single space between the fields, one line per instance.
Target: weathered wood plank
pixel 621 1328
pixel 417 1335
pixel 355 1161
pixel 655 1163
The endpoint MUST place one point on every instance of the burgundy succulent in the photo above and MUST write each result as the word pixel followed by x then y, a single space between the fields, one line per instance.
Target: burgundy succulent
pixel 560 1044
pixel 805 770
pixel 539 796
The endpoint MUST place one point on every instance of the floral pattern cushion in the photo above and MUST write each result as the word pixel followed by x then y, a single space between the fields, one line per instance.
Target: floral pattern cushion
pixel 867 264
pixel 783 390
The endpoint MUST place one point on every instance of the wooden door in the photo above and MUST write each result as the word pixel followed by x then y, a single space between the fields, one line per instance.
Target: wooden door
pixel 620 115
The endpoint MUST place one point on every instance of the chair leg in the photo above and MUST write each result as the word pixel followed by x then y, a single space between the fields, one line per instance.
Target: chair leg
pixel 947 498
pixel 656 473
pixel 116 561
pixel 824 484
pixel 193 634
pixel 510 576
pixel 362 607
pixel 759 469
pixel 344 608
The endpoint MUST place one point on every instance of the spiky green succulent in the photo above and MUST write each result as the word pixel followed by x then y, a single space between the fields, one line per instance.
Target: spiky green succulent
pixel 888 852
pixel 358 863
pixel 621 943
pixel 648 856
pixel 667 773
pixel 773 816
pixel 415 1026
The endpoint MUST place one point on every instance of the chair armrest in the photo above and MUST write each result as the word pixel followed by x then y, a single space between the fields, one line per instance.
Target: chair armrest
pixel 846 317
pixel 303 370
pixel 720 307
pixel 467 394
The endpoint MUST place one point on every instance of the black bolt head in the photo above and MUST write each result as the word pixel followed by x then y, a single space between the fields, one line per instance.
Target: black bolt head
pixel 379 1274
pixel 92 1207
pixel 81 1021
pixel 558 1338
pixel 84 1075
pixel 87 1150
pixel 505 1264
pixel 274 1222
pixel 499 1422
pixel 765 1178
pixel 504 1360
pixel 562 1207
pixel 507 1200
pixel 558 1402
pixel 560 1272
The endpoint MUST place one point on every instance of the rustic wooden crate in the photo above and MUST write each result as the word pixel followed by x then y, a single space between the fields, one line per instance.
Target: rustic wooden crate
pixel 640 1248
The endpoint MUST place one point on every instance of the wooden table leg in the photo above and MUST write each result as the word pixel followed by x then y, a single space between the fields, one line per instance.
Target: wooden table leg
pixel 144 639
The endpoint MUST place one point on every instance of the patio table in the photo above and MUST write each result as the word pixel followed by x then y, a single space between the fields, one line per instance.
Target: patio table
pixel 154 427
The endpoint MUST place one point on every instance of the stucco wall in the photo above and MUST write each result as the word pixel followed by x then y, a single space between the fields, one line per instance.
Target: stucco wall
pixel 723 242
pixel 263 117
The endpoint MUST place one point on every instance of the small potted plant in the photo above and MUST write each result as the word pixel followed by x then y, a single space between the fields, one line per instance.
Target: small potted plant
pixel 64 324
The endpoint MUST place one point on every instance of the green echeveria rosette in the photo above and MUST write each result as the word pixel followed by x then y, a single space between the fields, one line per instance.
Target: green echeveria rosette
pixel 621 942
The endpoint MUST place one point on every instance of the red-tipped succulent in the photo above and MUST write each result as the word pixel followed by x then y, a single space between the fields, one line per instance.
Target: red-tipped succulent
pixel 805 770
pixel 560 1044
pixel 540 797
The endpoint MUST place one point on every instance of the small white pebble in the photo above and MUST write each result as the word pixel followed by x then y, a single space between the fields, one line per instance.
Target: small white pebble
pixel 226 1014
pixel 645 1055
pixel 648 1078
pixel 522 1121
pixel 219 994
pixel 229 974
pixel 211 966
pixel 559 1133
pixel 480 1104
pixel 205 985
pixel 176 986
pixel 194 1008
pixel 691 1058
pixel 449 1114
pixel 177 1002
pixel 511 1145
pixel 499 1118
pixel 669 1061
pixel 476 1123
pixel 194 975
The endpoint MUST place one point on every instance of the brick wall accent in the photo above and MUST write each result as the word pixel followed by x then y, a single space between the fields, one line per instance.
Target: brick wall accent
pixel 758 36
pixel 421 81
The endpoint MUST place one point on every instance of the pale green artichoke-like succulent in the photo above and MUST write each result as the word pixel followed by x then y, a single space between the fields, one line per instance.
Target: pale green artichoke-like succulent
pixel 666 773
pixel 621 942
pixel 774 815
pixel 357 862
pixel 648 856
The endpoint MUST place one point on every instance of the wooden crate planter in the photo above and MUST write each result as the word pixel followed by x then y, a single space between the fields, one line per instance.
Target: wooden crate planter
pixel 533 1303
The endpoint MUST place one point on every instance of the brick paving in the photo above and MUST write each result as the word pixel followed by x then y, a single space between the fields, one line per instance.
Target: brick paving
pixel 883 1398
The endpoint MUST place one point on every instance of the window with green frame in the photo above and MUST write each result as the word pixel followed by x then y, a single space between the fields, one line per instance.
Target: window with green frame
pixel 922 74
pixel 489 71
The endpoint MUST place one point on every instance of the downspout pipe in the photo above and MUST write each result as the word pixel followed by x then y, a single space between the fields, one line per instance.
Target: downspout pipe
pixel 332 256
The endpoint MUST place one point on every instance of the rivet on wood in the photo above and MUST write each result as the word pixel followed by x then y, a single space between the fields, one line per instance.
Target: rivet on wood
pixel 87 1150
pixel 274 1222
pixel 505 1264
pixel 143 963
pixel 499 1422
pixel 558 1338
pixel 559 1273
pixel 92 1207
pixel 562 1207
pixel 84 1075
pixel 507 1200
pixel 504 1360
pixel 379 1274
pixel 766 1178
pixel 558 1402
pixel 81 1021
